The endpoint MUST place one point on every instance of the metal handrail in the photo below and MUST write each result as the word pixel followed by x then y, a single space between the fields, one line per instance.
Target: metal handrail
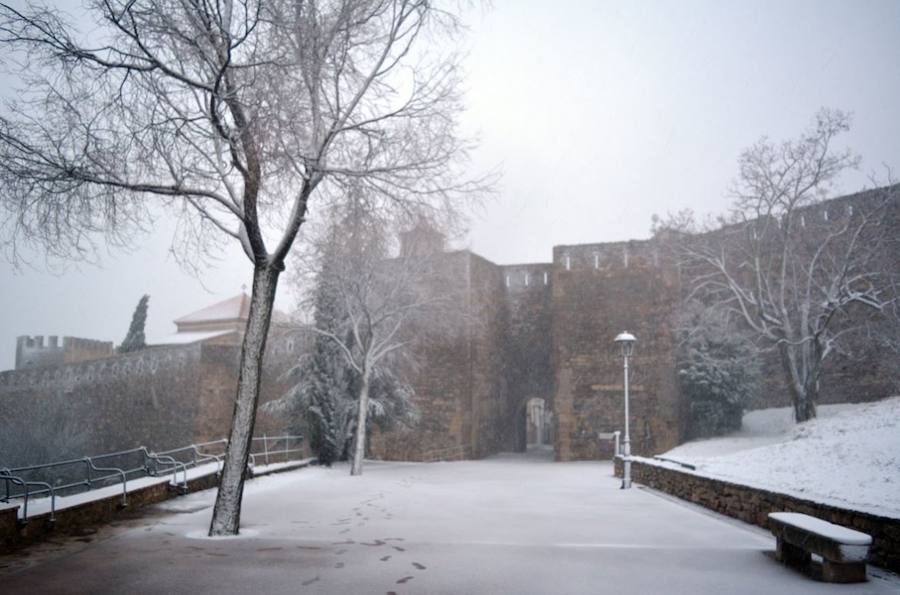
pixel 149 466
pixel 168 460
pixel 5 475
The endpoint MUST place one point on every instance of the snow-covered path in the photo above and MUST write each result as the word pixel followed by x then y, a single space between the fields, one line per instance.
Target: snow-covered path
pixel 507 525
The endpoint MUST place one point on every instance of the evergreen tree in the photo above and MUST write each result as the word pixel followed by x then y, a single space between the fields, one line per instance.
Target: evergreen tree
pixel 135 339
pixel 718 371
pixel 326 391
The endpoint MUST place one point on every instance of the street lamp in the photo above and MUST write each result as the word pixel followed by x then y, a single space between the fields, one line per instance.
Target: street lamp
pixel 626 343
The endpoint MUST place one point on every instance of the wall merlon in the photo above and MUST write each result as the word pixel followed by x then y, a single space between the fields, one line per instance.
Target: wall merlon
pixel 608 256
pixel 532 275
pixel 33 352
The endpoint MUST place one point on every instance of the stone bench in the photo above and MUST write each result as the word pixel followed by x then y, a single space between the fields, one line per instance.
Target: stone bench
pixel 843 551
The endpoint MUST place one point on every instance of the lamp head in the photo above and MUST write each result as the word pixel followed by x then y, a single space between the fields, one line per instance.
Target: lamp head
pixel 626 343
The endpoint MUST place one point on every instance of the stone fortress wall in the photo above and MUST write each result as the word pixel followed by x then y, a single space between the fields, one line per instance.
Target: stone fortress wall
pixel 519 332
pixel 599 291
pixel 32 352
pixel 161 397
pixel 551 337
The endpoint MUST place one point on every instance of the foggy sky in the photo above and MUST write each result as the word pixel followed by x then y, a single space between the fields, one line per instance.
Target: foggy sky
pixel 600 114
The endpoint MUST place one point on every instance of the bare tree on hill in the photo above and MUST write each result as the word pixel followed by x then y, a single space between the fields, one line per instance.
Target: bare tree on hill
pixel 234 117
pixel 802 275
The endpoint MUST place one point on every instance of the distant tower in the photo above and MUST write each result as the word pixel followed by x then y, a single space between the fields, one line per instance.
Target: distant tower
pixel 422 240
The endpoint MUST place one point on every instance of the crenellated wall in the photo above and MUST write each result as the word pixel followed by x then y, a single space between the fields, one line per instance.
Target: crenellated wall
pixel 159 397
pixel 528 346
pixel 460 391
pixel 600 290
pixel 32 352
pixel 513 333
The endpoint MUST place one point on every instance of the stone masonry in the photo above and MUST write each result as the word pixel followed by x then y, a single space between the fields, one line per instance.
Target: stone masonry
pixel 517 332
pixel 753 505
pixel 545 331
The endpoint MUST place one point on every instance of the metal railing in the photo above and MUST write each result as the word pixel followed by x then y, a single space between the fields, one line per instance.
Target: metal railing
pixel 275 447
pixel 62 478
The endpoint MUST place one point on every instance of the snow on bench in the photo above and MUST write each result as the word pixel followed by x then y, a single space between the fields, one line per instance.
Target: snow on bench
pixel 844 551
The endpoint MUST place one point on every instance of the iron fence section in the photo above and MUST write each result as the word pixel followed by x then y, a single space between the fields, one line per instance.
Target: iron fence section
pixel 60 478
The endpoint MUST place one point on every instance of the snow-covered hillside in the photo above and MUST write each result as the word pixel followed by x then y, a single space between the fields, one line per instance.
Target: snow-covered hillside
pixel 849 456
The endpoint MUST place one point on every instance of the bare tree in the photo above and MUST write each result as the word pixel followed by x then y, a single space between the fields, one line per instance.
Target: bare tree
pixel 802 274
pixel 234 115
pixel 379 301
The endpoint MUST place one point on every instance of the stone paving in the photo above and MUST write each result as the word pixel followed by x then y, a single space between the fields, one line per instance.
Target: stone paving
pixel 511 524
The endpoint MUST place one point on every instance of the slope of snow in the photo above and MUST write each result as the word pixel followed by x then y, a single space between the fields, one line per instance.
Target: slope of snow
pixel 848 457
pixel 760 428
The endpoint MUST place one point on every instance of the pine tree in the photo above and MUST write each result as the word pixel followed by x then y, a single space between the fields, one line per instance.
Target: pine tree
pixel 135 339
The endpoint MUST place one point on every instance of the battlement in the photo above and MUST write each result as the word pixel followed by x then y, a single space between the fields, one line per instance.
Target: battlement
pixel 527 276
pixel 33 352
pixel 640 254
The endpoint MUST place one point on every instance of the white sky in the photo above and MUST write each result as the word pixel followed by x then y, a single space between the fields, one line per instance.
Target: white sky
pixel 601 113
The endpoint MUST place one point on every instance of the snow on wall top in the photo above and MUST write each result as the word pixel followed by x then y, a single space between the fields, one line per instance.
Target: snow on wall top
pixel 234 308
pixel 183 338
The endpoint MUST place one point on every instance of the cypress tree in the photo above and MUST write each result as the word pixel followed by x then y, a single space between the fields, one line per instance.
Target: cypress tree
pixel 135 339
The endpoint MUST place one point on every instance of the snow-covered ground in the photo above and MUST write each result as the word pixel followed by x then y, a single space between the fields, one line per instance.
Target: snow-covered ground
pixel 510 524
pixel 849 456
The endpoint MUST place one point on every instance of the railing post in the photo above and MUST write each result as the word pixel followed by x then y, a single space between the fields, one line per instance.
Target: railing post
pixel 266 447
pixel 87 462
pixel 286 448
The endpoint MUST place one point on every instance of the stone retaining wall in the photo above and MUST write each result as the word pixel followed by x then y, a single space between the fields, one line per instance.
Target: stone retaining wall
pixel 753 505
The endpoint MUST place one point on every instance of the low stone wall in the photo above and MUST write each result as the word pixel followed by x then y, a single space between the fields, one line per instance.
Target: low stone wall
pixel 77 519
pixel 753 505
pixel 8 521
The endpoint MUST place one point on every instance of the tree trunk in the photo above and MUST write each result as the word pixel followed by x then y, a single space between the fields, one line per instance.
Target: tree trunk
pixel 805 407
pixel 360 450
pixel 803 393
pixel 227 512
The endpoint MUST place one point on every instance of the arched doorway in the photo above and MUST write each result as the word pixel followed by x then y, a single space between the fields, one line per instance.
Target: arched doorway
pixel 538 424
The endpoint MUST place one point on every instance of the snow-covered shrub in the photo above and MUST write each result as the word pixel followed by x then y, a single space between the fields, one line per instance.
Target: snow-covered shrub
pixel 718 371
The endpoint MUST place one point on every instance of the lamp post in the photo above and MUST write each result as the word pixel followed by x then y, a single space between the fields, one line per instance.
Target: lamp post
pixel 626 343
